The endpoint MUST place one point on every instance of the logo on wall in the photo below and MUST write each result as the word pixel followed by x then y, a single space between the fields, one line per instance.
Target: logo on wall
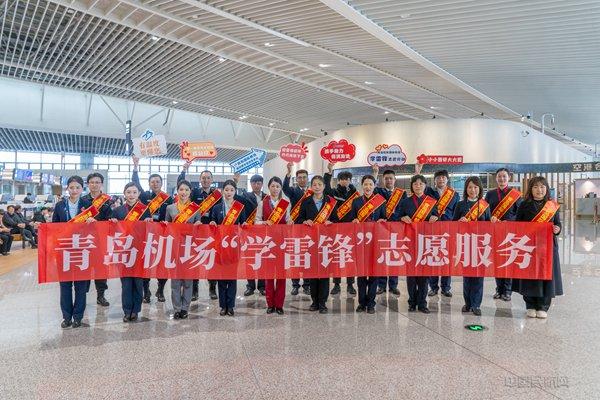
pixel 438 159
pixel 387 156
pixel 340 151
pixel 197 150
pixel 293 152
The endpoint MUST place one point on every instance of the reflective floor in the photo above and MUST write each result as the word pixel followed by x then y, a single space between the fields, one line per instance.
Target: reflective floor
pixel 342 355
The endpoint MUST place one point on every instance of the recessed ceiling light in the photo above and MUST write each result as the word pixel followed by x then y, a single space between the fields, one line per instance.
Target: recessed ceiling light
pixel 70 11
pixel 404 16
pixel 386 112
pixel 155 38
pixel 243 117
pixel 175 102
pixel 221 59
pixel 324 65
pixel 271 124
pixel 368 83
pixel 434 108
pixel 211 110
pixel 269 44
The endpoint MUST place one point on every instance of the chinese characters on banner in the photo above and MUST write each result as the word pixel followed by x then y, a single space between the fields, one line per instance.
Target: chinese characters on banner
pixel 387 156
pixel 144 249
pixel 149 145
pixel 438 159
pixel 336 151
pixel 293 152
pixel 195 150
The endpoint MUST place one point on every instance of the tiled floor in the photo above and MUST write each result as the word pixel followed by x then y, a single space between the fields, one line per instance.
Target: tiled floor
pixel 302 355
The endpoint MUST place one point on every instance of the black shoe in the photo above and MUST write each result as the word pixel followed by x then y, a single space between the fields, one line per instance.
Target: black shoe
pixel 306 291
pixel 465 308
pixel 146 298
pixel 351 290
pixel 194 296
pixel 102 301
pixel 76 323
pixel 230 312
pixel 380 290
pixel 4 253
pixel 497 296
pixel 213 295
pixel 370 310
pixel 34 246
pixel 336 289
pixel 65 324
pixel 270 310
pixel 477 311
pixel 160 297
pixel 446 294
pixel 506 297
pixel 249 292
pixel 262 292
pixel 176 315
pixel 294 291
pixel 424 310
pixel 183 314
pixel 412 308
pixel 432 293
pixel 279 311
pixel 223 312
pixel 133 317
pixel 395 291
pixel 313 307
pixel 323 310
pixel 126 318
pixel 360 308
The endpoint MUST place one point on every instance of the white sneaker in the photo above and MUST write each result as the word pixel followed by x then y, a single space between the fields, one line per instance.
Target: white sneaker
pixel 531 313
pixel 542 314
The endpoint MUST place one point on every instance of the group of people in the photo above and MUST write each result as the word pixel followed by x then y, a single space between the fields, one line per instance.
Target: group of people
pixel 309 203
pixel 13 222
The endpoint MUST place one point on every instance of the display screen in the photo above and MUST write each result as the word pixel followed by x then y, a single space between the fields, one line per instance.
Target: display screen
pixel 23 175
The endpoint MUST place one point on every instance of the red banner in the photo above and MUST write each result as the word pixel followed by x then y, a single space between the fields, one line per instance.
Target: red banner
pixel 102 250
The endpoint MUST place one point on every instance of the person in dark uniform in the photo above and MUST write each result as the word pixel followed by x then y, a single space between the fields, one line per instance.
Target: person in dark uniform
pixel 65 210
pixel 494 197
pixel 227 287
pixel 416 285
pixel 367 286
pixel 472 286
pixel 95 182
pixel 181 289
pixel 12 221
pixel 295 193
pixel 309 209
pixel 440 179
pixel 155 182
pixel 6 238
pixel 538 294
pixel 132 288
pixel 341 193
pixel 253 198
pixel 389 184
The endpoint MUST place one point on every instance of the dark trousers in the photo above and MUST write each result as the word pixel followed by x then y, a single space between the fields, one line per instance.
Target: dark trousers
pixel 73 309
pixel 319 290
pixel 26 233
pixel 227 291
pixel 537 303
pixel 434 283
pixel 349 280
pixel 212 285
pixel 367 290
pixel 391 281
pixel 161 286
pixel 101 286
pixel 504 286
pixel 131 295
pixel 417 291
pixel 6 242
pixel 473 292
pixel 296 283
pixel 252 284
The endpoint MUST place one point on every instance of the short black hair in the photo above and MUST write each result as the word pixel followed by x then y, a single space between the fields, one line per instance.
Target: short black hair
pixel 75 178
pixel 210 173
pixel 344 175
pixel 502 169
pixel 130 184
pixel 317 178
pixel 476 181
pixel 230 182
pixel 95 175
pixel 184 182
pixel 389 172
pixel 415 178
pixel 154 176
pixel 441 172
pixel 301 171
pixel 364 178
pixel 256 178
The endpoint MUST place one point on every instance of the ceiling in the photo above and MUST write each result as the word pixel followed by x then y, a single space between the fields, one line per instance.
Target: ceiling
pixel 309 66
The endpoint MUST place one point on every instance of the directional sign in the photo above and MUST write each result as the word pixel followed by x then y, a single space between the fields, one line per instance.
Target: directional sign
pixel 255 158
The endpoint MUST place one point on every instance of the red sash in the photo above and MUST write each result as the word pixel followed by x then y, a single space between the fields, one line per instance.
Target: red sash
pixel 506 203
pixel 393 202
pixel 477 210
pixel 100 201
pixel 83 216
pixel 233 213
pixel 369 207
pixel 325 212
pixel 250 220
pixel 136 212
pixel 210 201
pixel 346 206
pixel 424 209
pixel 187 213
pixel 156 202
pixel 296 210
pixel 547 212
pixel 445 199
pixel 279 211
